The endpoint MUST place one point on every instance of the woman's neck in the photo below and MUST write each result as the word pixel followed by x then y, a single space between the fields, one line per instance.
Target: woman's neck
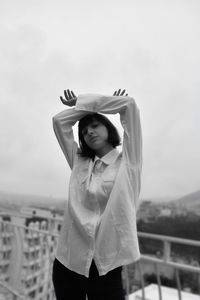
pixel 101 152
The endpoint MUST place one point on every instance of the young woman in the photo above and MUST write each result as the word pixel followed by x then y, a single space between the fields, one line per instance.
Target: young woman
pixel 98 234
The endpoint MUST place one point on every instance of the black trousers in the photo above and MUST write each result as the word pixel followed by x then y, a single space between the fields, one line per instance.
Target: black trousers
pixel 69 285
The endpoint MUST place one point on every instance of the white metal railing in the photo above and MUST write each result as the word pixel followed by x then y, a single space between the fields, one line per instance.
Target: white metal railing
pixel 166 260
pixel 9 290
pixel 45 239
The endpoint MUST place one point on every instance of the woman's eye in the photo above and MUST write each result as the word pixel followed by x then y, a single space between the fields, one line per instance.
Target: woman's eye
pixel 92 125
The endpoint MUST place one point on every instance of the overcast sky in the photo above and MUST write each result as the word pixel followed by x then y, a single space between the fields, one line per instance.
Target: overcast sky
pixel 151 48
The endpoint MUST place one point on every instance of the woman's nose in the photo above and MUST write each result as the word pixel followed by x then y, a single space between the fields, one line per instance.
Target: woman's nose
pixel 90 131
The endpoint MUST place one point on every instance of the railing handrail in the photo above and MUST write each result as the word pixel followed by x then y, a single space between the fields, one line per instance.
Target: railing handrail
pixel 169 238
pixel 13 291
pixel 32 229
pixel 175 265
pixel 140 234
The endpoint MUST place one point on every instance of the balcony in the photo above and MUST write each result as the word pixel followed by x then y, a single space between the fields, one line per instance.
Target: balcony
pixel 19 284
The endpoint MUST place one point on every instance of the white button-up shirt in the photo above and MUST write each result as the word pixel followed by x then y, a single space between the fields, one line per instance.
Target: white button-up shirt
pixel 100 215
pixel 98 189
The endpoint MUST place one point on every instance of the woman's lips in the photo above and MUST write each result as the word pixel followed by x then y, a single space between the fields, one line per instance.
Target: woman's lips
pixel 93 139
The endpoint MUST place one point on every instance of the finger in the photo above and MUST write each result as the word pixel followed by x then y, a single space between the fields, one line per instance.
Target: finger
pixel 122 93
pixel 66 95
pixel 62 100
pixel 118 93
pixel 73 95
pixel 69 94
pixel 126 95
pixel 115 93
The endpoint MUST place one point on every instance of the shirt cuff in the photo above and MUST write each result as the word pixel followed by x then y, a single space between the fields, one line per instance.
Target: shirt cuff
pixel 88 102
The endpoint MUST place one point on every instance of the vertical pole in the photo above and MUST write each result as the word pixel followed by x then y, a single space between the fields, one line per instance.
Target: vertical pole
pixel 159 281
pixel 127 286
pixel 141 279
pixel 167 251
pixel 178 282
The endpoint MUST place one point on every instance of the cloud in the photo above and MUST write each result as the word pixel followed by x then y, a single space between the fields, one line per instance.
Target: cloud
pixel 152 50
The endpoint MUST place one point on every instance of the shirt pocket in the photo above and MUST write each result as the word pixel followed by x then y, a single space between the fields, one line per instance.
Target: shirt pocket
pixel 108 180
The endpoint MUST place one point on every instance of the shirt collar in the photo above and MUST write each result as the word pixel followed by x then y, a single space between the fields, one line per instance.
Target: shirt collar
pixel 108 158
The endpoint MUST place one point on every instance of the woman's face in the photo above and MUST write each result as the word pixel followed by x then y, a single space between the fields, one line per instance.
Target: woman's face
pixel 96 135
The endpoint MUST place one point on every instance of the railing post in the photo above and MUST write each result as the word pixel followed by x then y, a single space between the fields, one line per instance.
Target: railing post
pixel 127 286
pixel 167 251
pixel 178 282
pixel 141 278
pixel 158 281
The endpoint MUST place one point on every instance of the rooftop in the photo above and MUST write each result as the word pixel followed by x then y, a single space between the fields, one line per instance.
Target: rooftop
pixel 152 293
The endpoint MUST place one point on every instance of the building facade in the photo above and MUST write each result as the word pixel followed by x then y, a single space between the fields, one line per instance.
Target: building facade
pixel 27 245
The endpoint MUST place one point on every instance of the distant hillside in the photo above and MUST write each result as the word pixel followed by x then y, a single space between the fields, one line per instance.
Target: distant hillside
pixel 193 198
pixel 16 201
pixel 190 201
pixel 158 200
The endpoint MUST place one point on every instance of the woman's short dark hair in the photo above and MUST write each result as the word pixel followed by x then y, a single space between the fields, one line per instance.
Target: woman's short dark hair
pixel 113 135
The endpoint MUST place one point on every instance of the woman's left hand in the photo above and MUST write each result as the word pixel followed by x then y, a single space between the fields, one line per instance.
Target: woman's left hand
pixel 120 93
pixel 70 98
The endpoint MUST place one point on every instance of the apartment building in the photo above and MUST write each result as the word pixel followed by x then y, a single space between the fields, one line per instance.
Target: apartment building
pixel 6 235
pixel 27 251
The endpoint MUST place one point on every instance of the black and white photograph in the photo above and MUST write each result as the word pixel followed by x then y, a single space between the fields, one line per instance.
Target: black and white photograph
pixel 100 150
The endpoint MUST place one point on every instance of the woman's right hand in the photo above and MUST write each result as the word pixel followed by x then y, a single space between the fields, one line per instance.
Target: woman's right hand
pixel 70 98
